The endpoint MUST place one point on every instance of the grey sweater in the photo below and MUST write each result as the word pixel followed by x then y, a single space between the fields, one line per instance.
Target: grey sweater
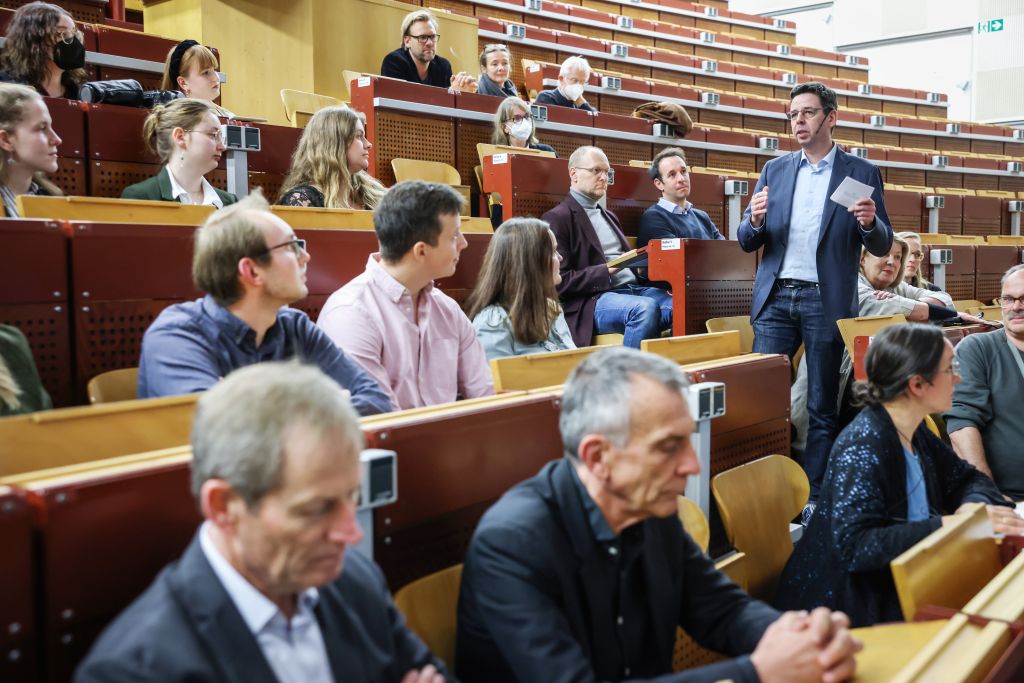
pixel 990 397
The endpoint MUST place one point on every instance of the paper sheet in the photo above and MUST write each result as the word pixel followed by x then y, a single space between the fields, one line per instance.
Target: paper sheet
pixel 851 191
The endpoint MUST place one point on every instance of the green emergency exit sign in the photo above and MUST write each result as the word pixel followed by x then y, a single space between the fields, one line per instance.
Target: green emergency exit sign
pixel 990 26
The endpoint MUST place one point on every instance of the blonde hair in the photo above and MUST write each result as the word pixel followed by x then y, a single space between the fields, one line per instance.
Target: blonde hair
pixel 13 100
pixel 198 57
pixel 502 116
pixel 185 113
pixel 321 159
pixel 224 239
pixel 904 249
pixel 414 16
pixel 918 280
pixel 9 389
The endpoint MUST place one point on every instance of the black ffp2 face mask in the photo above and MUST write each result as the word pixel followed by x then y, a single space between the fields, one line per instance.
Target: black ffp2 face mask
pixel 69 56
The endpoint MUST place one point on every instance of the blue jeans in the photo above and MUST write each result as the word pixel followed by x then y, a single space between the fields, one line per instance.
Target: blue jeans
pixel 635 312
pixel 792 315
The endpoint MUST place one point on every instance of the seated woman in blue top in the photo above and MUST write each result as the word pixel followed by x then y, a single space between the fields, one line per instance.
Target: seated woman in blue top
pixel 514 306
pixel 495 67
pixel 674 215
pixel 185 135
pixel 890 482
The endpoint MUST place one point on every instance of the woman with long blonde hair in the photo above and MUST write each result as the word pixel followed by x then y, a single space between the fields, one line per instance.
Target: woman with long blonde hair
pixel 329 165
pixel 28 146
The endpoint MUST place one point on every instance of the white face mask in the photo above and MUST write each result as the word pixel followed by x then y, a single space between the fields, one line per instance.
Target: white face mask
pixel 573 92
pixel 521 130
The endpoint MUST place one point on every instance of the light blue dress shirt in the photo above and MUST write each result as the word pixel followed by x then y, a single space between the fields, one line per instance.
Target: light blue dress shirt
pixel 917 494
pixel 809 196
pixel 494 329
pixel 294 648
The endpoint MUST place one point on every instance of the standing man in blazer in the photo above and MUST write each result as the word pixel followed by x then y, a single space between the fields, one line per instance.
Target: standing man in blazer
pixel 807 278
pixel 271 588
pixel 598 298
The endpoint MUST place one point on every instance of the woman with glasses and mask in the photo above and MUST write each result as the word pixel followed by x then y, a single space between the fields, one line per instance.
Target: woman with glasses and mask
pixel 513 126
pixel 495 67
pixel 329 164
pixel 185 135
pixel 915 257
pixel 44 50
pixel 890 482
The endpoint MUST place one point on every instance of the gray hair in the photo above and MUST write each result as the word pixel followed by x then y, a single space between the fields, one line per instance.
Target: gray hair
pixel 576 158
pixel 1010 273
pixel 575 63
pixel 597 396
pixel 242 423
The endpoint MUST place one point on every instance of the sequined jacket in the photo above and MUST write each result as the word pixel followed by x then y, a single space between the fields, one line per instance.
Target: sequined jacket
pixel 860 524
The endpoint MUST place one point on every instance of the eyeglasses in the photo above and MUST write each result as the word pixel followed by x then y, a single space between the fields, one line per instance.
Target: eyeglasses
pixel 518 118
pixel 1007 301
pixel 68 37
pixel 595 170
pixel 916 254
pixel 808 113
pixel 427 38
pixel 215 135
pixel 954 367
pixel 297 246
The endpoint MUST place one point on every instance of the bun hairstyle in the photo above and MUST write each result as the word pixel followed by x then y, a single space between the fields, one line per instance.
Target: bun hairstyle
pixel 896 354
pixel 183 113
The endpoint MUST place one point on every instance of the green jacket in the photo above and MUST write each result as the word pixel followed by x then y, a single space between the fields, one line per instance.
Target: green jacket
pixel 15 351
pixel 158 188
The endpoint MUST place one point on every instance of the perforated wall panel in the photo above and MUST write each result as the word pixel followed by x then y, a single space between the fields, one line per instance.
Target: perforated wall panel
pixel 412 137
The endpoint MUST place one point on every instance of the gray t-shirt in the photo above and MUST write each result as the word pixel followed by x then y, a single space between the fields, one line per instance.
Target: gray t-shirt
pixel 606 235
pixel 990 397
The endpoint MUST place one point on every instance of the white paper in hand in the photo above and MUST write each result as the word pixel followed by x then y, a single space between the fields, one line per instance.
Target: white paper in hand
pixel 850 192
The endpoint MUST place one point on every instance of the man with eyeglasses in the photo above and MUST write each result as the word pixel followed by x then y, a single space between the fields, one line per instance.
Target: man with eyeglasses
pixel 417 60
pixel 251 266
pixel 807 277
pixel 598 298
pixel 572 79
pixel 986 423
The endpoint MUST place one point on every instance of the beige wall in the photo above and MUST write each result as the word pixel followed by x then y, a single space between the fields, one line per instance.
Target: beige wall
pixel 267 45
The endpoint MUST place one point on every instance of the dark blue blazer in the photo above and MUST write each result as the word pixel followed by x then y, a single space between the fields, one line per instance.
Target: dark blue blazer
pixel 839 242
pixel 185 627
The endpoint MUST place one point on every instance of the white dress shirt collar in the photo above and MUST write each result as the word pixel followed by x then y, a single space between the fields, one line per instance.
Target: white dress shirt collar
pixel 210 196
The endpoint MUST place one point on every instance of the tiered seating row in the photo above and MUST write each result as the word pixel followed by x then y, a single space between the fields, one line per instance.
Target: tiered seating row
pixel 102 151
pixel 753 112
pixel 673 32
pixel 447 127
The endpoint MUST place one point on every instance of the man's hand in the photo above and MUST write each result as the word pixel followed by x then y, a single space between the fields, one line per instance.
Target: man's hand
pixel 759 207
pixel 612 270
pixel 427 674
pixel 463 82
pixel 864 212
pixel 802 647
pixel 1005 520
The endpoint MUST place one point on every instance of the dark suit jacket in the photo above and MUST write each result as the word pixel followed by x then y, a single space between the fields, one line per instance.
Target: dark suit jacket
pixel 839 242
pixel 529 609
pixel 584 269
pixel 186 628
pixel 158 189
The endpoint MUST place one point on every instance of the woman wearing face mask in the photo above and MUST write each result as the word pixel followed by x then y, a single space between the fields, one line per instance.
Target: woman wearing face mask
pixel 44 50
pixel 330 162
pixel 513 126
pixel 185 135
pixel 495 66
pixel 514 306
pixel 28 146
pixel 191 68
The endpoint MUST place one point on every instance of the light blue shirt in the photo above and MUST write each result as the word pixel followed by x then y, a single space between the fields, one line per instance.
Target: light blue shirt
pixel 672 207
pixel 809 196
pixel 917 493
pixel 494 329
pixel 294 649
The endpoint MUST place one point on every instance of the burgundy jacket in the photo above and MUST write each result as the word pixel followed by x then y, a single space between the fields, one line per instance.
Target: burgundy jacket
pixel 584 269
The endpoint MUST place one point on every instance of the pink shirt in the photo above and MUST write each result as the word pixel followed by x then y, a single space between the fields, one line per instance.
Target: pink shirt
pixel 439 360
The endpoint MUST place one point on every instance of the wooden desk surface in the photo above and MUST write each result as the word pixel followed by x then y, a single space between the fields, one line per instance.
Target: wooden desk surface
pixel 889 647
